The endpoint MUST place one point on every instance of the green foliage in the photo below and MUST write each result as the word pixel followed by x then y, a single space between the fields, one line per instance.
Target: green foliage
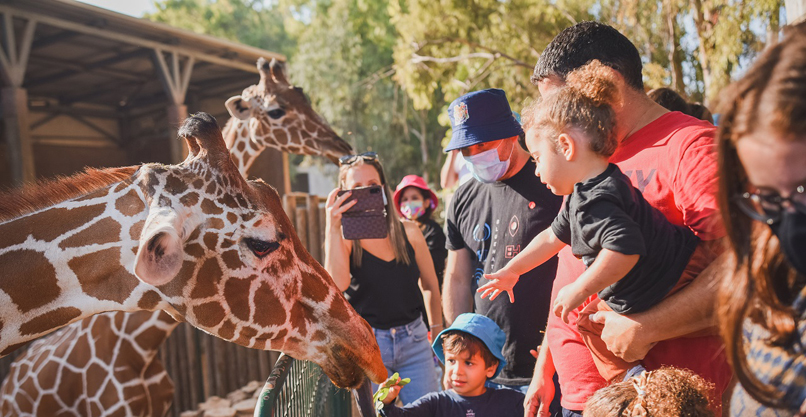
pixel 383 71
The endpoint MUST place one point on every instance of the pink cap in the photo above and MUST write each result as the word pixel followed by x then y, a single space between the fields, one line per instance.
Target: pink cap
pixel 414 181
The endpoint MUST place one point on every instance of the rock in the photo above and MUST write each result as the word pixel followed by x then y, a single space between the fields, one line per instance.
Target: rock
pixel 220 412
pixel 237 396
pixel 251 387
pixel 215 402
pixel 245 408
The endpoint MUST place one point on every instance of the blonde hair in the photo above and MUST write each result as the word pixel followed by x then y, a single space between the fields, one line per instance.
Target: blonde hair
pixel 585 103
pixel 397 233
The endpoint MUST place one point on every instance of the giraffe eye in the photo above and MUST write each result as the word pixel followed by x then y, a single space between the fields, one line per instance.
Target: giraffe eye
pixel 261 248
pixel 276 113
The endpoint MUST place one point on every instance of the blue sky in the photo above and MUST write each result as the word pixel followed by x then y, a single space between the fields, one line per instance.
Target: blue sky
pixel 134 8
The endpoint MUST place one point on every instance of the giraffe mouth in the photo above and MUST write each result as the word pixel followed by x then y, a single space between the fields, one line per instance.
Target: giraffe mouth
pixel 348 370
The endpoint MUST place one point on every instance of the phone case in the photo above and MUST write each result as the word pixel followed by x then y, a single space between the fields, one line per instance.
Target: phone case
pixel 367 218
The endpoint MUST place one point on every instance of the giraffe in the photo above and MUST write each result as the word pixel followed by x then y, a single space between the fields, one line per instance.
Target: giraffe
pixel 278 115
pixel 106 364
pixel 194 239
pixel 140 368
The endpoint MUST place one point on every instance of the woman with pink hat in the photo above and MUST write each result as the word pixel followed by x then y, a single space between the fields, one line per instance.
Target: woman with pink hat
pixel 416 202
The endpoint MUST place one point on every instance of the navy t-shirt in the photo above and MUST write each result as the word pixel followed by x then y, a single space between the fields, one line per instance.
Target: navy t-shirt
pixel 495 221
pixel 493 403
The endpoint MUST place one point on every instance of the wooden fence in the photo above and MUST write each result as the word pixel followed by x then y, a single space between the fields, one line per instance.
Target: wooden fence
pixel 202 365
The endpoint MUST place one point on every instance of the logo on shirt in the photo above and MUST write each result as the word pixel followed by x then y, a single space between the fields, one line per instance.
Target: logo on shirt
pixel 470 413
pixel 481 232
pixel 460 114
pixel 512 251
pixel 514 225
pixel 640 182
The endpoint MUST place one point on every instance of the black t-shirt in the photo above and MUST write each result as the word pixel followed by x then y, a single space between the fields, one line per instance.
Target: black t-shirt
pixel 435 239
pixel 385 293
pixel 493 403
pixel 607 212
pixel 494 221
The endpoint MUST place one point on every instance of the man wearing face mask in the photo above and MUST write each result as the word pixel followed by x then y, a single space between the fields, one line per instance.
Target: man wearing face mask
pixel 488 222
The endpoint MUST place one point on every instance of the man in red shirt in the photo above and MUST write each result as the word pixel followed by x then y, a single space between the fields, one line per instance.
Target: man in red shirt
pixel 669 157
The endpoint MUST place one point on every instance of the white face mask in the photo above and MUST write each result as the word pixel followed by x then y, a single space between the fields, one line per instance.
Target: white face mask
pixel 486 166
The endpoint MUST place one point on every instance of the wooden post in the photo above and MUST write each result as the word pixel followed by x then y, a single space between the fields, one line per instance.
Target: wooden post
pixel 18 134
pixel 14 99
pixel 795 11
pixel 302 228
pixel 175 80
pixel 315 236
pixel 290 207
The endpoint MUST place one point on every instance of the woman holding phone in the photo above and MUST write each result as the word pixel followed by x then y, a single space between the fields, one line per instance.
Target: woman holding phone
pixel 386 280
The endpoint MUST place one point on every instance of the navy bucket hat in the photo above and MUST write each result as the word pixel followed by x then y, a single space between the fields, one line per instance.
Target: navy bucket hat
pixel 483 328
pixel 481 116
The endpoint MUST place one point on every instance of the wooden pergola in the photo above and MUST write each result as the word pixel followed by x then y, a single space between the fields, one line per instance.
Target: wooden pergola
pixel 84 86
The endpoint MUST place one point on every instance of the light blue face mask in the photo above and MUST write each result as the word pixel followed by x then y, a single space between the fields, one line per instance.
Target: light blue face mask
pixel 486 166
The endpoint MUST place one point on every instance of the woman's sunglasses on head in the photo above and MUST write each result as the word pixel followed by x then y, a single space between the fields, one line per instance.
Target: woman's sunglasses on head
pixel 350 159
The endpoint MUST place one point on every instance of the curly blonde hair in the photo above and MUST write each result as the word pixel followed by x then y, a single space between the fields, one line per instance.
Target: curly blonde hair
pixel 667 392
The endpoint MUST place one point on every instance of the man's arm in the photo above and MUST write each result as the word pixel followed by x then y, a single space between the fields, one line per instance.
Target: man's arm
pixel 541 389
pixel 456 298
pixel 690 310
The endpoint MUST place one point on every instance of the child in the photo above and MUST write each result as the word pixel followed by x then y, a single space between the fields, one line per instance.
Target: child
pixel 471 352
pixel 634 256
pixel 666 392
pixel 416 202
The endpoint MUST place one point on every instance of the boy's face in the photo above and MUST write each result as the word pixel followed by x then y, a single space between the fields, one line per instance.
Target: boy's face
pixel 550 163
pixel 468 373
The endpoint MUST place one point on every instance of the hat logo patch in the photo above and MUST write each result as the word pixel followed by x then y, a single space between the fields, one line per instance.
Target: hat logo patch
pixel 460 114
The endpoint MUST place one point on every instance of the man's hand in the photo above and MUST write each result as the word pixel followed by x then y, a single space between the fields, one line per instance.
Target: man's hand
pixel 623 335
pixel 538 397
pixel 568 299
pixel 501 281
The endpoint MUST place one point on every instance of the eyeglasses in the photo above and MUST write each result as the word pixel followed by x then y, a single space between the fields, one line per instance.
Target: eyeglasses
pixel 350 159
pixel 767 208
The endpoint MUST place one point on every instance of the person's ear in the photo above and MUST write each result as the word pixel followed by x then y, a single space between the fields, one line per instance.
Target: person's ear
pixel 491 369
pixel 567 146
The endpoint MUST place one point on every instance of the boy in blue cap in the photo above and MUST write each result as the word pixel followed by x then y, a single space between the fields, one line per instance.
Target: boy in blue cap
pixel 471 352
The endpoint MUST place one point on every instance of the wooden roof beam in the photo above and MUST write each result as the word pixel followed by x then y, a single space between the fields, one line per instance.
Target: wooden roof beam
pixel 78 69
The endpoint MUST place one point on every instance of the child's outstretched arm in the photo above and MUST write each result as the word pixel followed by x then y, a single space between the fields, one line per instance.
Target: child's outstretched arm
pixel 540 249
pixel 608 268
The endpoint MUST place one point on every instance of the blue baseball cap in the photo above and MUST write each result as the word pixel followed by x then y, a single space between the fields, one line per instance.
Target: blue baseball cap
pixel 481 116
pixel 483 328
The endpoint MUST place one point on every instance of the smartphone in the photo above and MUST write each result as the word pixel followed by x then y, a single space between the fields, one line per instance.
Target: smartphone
pixel 366 219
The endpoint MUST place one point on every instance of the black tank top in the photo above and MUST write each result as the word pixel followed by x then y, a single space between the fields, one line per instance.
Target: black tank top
pixel 386 293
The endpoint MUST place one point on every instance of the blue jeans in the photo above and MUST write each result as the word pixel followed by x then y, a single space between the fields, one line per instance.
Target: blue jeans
pixel 405 350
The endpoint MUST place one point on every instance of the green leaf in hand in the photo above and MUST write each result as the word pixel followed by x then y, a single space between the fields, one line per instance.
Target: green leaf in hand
pixel 383 389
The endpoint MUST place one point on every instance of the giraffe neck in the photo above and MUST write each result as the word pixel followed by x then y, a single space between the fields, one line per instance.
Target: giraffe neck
pixel 73 254
pixel 244 150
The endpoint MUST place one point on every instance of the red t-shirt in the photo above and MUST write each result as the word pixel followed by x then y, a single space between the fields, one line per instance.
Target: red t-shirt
pixel 672 162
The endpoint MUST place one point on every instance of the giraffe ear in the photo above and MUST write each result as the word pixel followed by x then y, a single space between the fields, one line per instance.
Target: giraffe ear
pixel 238 107
pixel 160 254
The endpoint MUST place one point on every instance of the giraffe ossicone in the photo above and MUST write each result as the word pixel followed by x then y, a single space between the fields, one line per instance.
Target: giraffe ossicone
pixel 193 239
pixel 276 114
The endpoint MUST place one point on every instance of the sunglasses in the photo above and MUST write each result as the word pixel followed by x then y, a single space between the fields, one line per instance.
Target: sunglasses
pixel 350 159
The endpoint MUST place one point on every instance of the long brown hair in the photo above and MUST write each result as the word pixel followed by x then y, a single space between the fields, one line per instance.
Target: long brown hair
pixel 763 286
pixel 396 231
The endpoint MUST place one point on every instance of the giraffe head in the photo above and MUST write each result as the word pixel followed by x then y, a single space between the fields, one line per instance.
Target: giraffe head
pixel 280 116
pixel 224 256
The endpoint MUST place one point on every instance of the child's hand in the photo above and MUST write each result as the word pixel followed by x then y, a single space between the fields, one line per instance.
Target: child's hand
pixel 568 299
pixel 500 281
pixel 389 390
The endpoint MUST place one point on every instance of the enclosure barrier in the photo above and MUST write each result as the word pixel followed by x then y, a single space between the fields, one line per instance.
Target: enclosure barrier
pixel 300 389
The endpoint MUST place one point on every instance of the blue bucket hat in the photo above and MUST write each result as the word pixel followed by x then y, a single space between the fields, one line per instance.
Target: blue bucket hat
pixel 483 328
pixel 481 116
